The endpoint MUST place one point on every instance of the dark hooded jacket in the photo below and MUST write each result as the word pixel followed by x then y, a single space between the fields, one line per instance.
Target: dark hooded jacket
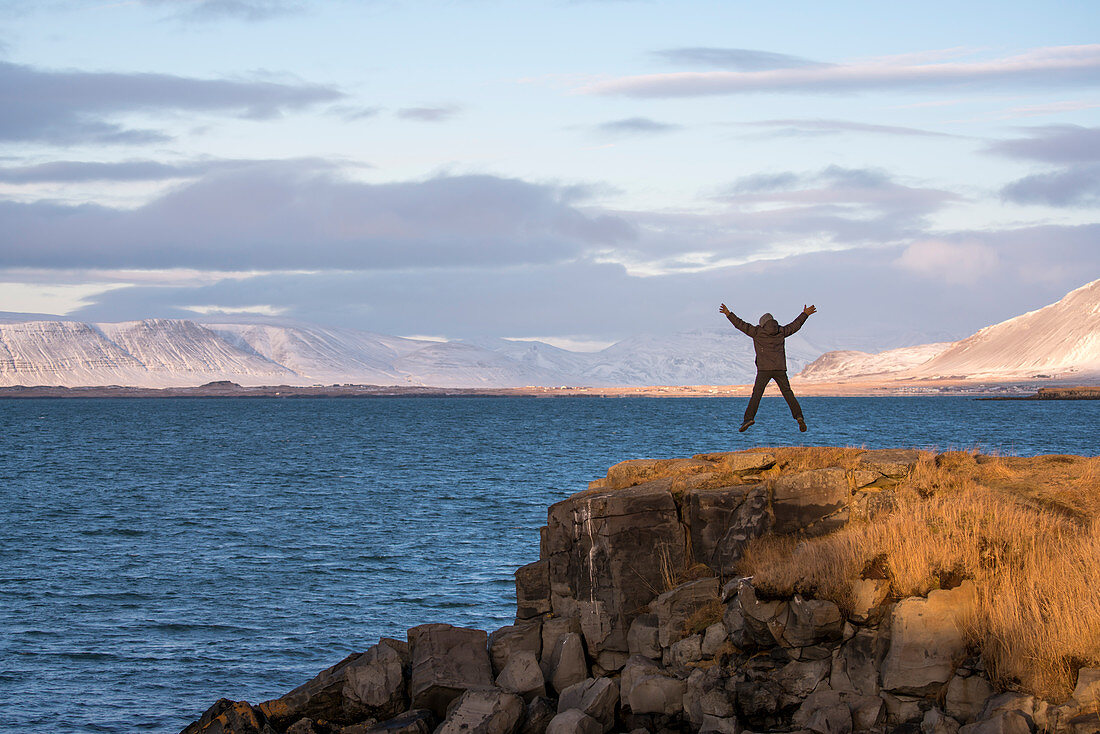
pixel 768 339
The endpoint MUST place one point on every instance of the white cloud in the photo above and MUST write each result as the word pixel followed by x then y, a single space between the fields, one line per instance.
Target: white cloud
pixel 1047 67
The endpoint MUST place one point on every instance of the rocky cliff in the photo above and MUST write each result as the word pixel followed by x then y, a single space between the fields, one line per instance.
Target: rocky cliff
pixel 637 618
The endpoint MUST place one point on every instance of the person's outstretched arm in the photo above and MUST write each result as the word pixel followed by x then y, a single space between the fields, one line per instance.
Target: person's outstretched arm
pixel 797 323
pixel 742 326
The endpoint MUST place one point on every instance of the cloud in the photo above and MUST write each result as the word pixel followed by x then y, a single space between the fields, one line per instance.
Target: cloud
pixel 1042 67
pixel 253 10
pixel 143 170
pixel 349 113
pixel 793 127
pixel 866 299
pixel 429 114
pixel 759 182
pixel 1072 186
pixel 635 126
pixel 741 59
pixel 1075 149
pixel 962 262
pixel 1053 144
pixel 301 214
pixel 67 107
pixel 777 215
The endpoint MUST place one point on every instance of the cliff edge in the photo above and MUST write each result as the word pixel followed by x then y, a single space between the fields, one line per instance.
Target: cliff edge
pixel 793 589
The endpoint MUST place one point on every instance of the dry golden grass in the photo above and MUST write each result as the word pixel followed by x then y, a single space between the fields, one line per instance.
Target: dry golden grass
pixel 1027 530
pixel 703 617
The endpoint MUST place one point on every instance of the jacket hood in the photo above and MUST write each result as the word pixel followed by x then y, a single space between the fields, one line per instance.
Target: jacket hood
pixel 769 324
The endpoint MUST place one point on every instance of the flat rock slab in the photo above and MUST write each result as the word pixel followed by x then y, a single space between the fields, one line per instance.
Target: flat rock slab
pixel 801 502
pixel 927 641
pixel 740 462
pixel 446 661
pixel 894 463
pixel 484 711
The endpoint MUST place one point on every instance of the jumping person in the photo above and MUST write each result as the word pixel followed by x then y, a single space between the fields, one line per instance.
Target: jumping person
pixel 771 360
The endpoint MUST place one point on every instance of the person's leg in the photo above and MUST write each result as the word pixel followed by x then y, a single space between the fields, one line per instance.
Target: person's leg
pixel 788 394
pixel 757 390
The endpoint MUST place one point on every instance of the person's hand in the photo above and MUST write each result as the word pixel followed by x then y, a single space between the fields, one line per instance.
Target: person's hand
pixel 725 310
pixel 809 310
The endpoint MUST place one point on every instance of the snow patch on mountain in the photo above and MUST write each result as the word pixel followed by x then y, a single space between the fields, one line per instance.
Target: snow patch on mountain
pixel 1058 340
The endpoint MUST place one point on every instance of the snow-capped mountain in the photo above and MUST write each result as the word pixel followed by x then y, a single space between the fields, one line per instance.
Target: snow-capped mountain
pixel 1061 339
pixel 172 352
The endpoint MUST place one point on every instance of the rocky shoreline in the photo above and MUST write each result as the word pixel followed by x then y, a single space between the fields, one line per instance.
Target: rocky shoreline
pixel 635 619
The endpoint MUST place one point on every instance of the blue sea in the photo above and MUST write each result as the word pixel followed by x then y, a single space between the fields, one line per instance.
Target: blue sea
pixel 156 555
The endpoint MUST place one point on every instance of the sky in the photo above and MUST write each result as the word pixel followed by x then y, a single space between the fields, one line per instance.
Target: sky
pixel 573 171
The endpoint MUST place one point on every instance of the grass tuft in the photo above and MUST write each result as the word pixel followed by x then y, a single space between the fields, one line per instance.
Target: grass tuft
pixel 1027 530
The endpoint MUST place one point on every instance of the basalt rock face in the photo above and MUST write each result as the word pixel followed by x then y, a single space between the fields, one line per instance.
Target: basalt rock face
pixel 633 619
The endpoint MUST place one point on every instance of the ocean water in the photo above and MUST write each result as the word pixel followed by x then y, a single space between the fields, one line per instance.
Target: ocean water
pixel 156 555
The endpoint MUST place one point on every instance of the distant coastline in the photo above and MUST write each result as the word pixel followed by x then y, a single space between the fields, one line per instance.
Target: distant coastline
pixel 884 388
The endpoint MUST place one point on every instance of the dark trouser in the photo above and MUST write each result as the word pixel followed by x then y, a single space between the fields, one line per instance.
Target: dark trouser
pixel 780 377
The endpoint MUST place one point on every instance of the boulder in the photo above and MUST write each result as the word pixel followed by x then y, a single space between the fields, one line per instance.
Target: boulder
pixel 567 663
pixel 763 621
pixel 446 661
pixel 657 694
pixel 507 641
pixel 705 695
pixel 810 502
pixel 414 721
pixel 719 725
pixel 861 478
pixel 674 607
pixel 483 711
pixel 533 590
pixel 799 679
pixel 903 709
pixel 636 668
pixel 966 697
pixel 553 629
pixel 573 721
pixel 611 551
pixel 363 727
pixel 824 713
pixel 867 504
pixel 523 676
pixel 609 662
pixel 810 621
pixel 540 712
pixel 759 699
pixel 361 686
pixel 926 641
pixel 596 697
pixel 1007 722
pixel 713 638
pixel 642 638
pixel 230 717
pixel 894 463
pixel 937 722
pixel 856 665
pixel 682 652
pixel 867 598
pixel 1087 691
pixel 301 726
pixel 868 712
